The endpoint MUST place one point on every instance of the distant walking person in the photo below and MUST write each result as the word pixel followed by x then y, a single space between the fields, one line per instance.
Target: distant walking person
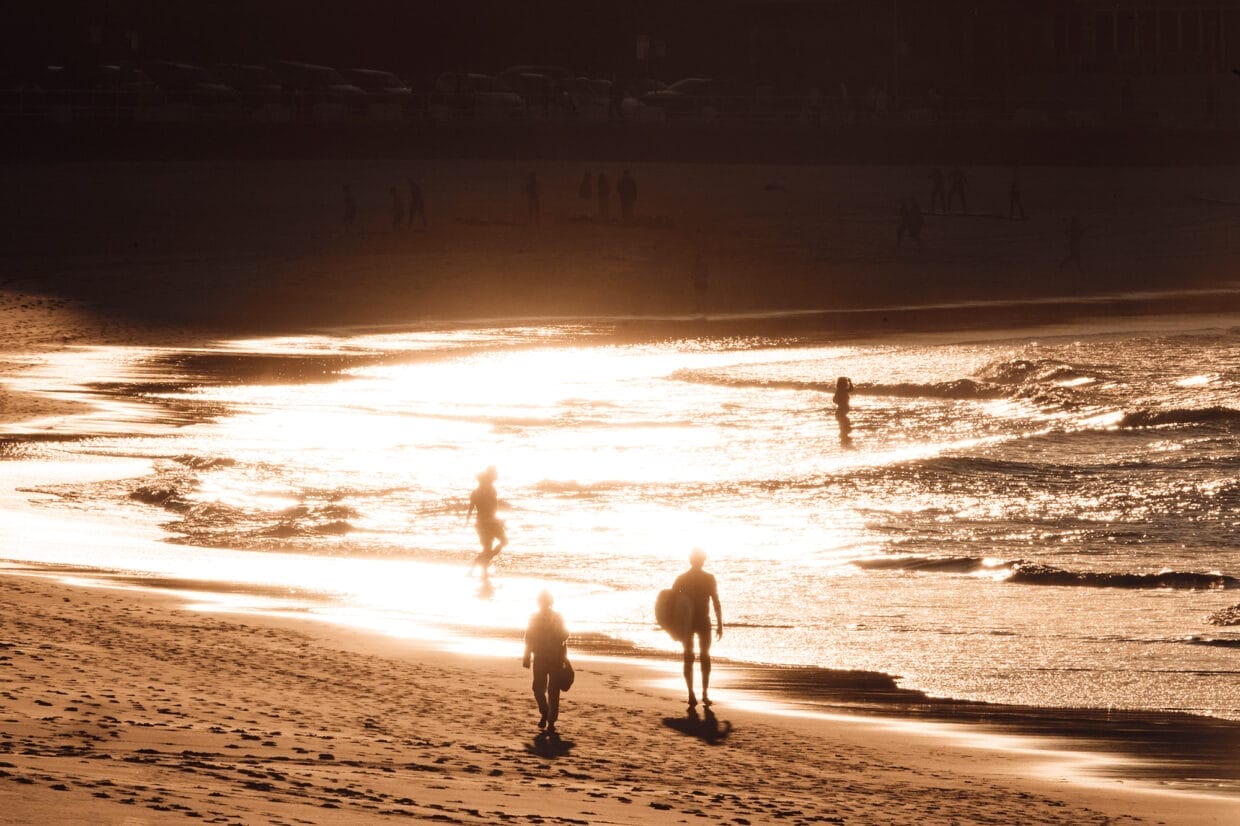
pixel 1015 205
pixel 350 208
pixel 491 534
pixel 603 189
pixel 702 591
pixel 1075 231
pixel 533 193
pixel 417 204
pixel 546 641
pixel 398 209
pixel 938 196
pixel 626 188
pixel 957 186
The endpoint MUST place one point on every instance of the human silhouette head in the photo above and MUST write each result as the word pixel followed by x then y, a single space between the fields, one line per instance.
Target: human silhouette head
pixel 488 475
pixel 697 557
pixel 843 383
pixel 545 600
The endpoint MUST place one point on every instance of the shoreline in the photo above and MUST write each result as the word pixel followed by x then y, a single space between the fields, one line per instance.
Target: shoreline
pixel 1094 314
pixel 1192 754
pixel 251 716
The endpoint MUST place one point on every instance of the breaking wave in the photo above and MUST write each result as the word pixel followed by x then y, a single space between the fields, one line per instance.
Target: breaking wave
pixel 957 389
pixel 1225 616
pixel 1033 573
pixel 1204 415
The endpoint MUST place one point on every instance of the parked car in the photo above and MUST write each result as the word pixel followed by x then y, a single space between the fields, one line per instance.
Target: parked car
pixel 319 87
pixel 467 95
pixel 380 85
pixel 590 98
pixel 543 95
pixel 559 74
pixel 189 83
pixel 256 85
pixel 701 97
pixel 105 89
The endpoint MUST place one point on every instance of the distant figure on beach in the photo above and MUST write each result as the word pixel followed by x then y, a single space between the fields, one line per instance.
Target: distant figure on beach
pixel 1015 205
pixel 546 640
pixel 585 190
pixel 491 534
pixel 957 187
pixel 626 188
pixel 938 196
pixel 701 284
pixel 417 205
pixel 911 222
pixel 350 208
pixel 702 591
pixel 398 209
pixel 533 192
pixel 1075 231
pixel 603 188
pixel 843 404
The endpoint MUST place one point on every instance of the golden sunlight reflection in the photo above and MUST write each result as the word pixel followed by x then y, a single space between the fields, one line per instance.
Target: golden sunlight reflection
pixel 330 476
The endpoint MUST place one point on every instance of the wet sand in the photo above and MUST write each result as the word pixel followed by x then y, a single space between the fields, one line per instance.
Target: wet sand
pixel 124 705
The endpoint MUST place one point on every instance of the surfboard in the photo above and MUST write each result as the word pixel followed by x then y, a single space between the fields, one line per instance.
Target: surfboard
pixel 673 612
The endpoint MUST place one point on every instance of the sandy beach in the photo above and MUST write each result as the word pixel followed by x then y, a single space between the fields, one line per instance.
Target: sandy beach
pixel 171 251
pixel 128 706
pixel 125 706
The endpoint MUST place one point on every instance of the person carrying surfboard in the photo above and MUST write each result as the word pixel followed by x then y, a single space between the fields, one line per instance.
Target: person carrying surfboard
pixel 702 591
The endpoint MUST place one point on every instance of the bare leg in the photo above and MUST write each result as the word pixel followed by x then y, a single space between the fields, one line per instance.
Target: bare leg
pixel 688 662
pixel 553 706
pixel 705 660
pixel 540 694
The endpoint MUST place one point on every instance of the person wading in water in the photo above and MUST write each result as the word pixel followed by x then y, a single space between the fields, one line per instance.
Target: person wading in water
pixel 485 500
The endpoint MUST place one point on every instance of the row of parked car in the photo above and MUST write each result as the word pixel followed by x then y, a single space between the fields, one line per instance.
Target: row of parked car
pixel 296 90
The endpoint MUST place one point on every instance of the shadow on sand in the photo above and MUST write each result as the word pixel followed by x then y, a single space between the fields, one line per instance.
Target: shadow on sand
pixel 549 744
pixel 706 728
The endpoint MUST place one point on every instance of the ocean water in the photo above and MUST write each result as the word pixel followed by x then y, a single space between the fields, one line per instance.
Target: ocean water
pixel 1049 517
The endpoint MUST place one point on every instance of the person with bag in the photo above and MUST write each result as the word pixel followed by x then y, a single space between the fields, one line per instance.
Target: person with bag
pixel 546 640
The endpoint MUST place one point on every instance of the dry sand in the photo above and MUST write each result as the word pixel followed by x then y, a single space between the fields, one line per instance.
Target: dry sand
pixel 125 707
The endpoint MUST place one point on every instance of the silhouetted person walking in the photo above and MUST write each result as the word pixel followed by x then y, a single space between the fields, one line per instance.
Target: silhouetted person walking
pixel 626 188
pixel 1075 231
pixel 491 533
pixel 417 205
pixel 546 640
pixel 350 208
pixel 533 194
pixel 702 592
pixel 398 209
pixel 938 196
pixel 603 189
pixel 1015 205
pixel 957 186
